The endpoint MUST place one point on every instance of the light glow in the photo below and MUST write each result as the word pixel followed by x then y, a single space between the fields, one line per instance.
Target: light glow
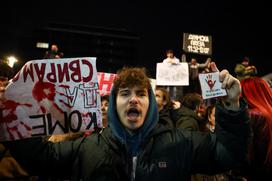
pixel 11 61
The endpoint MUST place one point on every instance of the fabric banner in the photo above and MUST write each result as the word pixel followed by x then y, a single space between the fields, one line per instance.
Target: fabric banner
pixel 105 81
pixel 51 96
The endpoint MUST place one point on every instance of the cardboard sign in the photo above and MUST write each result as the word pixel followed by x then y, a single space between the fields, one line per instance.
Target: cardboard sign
pixel 211 86
pixel 199 44
pixel 51 96
pixel 172 75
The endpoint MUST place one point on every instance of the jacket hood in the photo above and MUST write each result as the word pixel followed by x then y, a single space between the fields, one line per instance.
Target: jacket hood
pixel 132 142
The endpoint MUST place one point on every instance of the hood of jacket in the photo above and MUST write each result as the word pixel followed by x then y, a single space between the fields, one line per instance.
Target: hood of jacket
pixel 132 142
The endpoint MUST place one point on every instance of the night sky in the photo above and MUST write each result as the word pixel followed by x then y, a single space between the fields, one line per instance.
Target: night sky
pixel 237 30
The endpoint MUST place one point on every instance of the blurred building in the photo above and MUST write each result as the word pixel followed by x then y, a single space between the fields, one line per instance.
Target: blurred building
pixel 112 47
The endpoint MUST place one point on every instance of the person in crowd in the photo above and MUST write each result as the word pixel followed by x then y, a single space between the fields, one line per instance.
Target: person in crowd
pixel 268 79
pixel 194 68
pixel 171 59
pixel 244 69
pixel 10 169
pixel 53 53
pixel 183 57
pixel 3 83
pixel 210 115
pixel 210 127
pixel 259 97
pixel 165 107
pixel 104 109
pixel 189 115
pixel 136 147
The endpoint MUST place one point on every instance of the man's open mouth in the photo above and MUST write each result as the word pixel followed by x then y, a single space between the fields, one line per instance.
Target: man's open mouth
pixel 133 114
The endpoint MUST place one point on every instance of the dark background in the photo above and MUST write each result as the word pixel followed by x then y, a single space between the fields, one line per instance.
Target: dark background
pixel 137 33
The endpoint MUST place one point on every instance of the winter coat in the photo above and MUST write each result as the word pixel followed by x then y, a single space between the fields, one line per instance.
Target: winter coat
pixel 187 119
pixel 154 153
pixel 243 72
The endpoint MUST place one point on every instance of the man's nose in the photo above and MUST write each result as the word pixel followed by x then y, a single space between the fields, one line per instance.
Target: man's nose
pixel 134 100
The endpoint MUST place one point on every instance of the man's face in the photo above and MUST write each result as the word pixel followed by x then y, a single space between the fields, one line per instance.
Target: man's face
pixel 159 99
pixel 193 61
pixel 212 116
pixel 54 48
pixel 104 108
pixel 170 55
pixel 245 63
pixel 132 105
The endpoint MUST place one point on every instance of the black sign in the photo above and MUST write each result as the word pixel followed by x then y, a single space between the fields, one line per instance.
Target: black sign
pixel 199 44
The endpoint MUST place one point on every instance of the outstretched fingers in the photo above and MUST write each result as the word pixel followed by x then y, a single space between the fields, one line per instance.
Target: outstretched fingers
pixel 214 67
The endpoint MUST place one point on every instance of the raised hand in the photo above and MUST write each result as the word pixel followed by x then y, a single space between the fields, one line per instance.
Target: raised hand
pixel 232 86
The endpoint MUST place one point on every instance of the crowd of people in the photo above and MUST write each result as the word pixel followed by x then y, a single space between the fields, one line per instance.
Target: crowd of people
pixel 149 135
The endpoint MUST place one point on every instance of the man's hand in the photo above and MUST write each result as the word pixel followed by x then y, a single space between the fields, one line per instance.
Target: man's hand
pixel 232 86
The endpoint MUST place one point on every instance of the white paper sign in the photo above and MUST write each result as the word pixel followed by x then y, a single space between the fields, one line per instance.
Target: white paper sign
pixel 211 86
pixel 172 75
pixel 52 96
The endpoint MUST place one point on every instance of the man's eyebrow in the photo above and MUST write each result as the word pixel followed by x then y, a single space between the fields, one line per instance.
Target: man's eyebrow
pixel 123 89
pixel 142 91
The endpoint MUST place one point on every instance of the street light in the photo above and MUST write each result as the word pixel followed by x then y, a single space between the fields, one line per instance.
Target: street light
pixel 11 61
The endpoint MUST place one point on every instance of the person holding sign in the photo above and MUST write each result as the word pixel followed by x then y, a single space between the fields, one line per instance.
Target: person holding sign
pixel 194 67
pixel 171 60
pixel 136 147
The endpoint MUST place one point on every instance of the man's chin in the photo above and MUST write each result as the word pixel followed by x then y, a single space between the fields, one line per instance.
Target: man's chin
pixel 133 126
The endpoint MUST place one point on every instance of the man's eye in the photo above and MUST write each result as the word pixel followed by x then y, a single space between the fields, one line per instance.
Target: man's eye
pixel 142 94
pixel 124 93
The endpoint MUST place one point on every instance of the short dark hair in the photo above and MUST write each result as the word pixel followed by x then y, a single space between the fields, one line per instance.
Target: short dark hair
pixel 245 59
pixel 105 97
pixel 169 51
pixel 192 100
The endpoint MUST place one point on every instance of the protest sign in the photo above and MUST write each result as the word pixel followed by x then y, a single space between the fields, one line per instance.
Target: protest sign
pixel 172 75
pixel 199 44
pixel 211 86
pixel 105 81
pixel 51 96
